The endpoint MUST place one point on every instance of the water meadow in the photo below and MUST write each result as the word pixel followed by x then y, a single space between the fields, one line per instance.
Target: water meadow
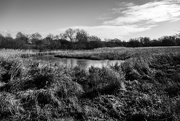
pixel 145 87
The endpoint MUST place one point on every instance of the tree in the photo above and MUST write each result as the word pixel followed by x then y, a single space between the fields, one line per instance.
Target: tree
pixel 50 37
pixel 51 42
pixel 168 41
pixel 62 36
pixel 1 40
pixel 21 40
pixel 177 39
pixel 134 43
pixel 113 42
pixel 36 36
pixel 94 42
pixel 65 44
pixel 145 41
pixel 70 34
pixel 56 37
pixel 9 42
pixel 81 36
pixel 94 38
pixel 20 35
pixel 8 36
pixel 47 40
pixel 155 42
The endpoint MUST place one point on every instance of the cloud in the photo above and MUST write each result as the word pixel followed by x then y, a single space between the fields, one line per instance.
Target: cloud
pixel 135 18
pixel 149 13
pixel 107 31
pixel 14 32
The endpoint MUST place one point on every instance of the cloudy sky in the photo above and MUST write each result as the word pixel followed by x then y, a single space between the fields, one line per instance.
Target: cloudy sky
pixel 121 19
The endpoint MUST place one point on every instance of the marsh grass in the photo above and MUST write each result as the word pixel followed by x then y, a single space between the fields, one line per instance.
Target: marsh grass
pixel 118 53
pixel 144 88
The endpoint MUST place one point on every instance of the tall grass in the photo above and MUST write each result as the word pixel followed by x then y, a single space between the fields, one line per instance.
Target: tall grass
pixel 142 88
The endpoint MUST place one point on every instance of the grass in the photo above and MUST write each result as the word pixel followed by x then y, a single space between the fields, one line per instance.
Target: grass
pixel 8 53
pixel 118 53
pixel 143 88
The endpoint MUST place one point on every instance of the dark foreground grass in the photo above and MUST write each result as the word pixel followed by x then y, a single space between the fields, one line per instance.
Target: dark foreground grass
pixel 141 89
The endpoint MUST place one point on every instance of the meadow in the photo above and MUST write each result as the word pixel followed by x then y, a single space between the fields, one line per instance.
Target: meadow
pixel 114 53
pixel 146 87
pixel 117 53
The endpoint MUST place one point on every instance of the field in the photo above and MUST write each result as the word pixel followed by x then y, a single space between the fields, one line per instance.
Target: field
pixel 146 87
pixel 118 53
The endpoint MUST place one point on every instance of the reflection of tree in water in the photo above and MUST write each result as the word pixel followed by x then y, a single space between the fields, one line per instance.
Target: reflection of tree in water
pixel 70 62
pixel 75 62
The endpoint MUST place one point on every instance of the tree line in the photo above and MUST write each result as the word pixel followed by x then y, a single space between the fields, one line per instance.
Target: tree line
pixel 79 39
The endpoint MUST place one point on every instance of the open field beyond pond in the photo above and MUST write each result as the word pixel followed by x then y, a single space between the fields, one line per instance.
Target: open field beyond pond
pixel 146 87
pixel 118 53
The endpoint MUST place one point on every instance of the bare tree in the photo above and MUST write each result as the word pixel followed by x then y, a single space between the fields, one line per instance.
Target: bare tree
pixel 62 36
pixel 56 37
pixel 70 33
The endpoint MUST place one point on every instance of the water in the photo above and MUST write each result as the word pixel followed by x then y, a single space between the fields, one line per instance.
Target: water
pixel 83 63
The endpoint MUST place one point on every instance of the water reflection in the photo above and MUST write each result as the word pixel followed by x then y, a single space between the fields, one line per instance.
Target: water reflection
pixel 83 63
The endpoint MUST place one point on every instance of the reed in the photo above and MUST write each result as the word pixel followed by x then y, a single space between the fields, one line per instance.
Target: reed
pixel 142 88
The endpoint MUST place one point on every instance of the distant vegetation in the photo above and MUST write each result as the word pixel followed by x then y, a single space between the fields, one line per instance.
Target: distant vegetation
pixel 79 39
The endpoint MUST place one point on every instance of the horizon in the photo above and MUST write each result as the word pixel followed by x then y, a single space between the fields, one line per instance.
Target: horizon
pixel 122 19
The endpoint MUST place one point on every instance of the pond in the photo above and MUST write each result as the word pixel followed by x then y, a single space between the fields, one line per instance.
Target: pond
pixel 83 63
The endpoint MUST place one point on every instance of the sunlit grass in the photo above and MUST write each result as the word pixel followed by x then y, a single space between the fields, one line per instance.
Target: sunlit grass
pixel 118 53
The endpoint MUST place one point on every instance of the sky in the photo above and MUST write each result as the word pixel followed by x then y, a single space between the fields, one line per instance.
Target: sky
pixel 122 19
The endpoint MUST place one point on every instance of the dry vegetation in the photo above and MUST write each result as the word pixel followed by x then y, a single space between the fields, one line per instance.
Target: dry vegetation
pixel 117 53
pixel 143 88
